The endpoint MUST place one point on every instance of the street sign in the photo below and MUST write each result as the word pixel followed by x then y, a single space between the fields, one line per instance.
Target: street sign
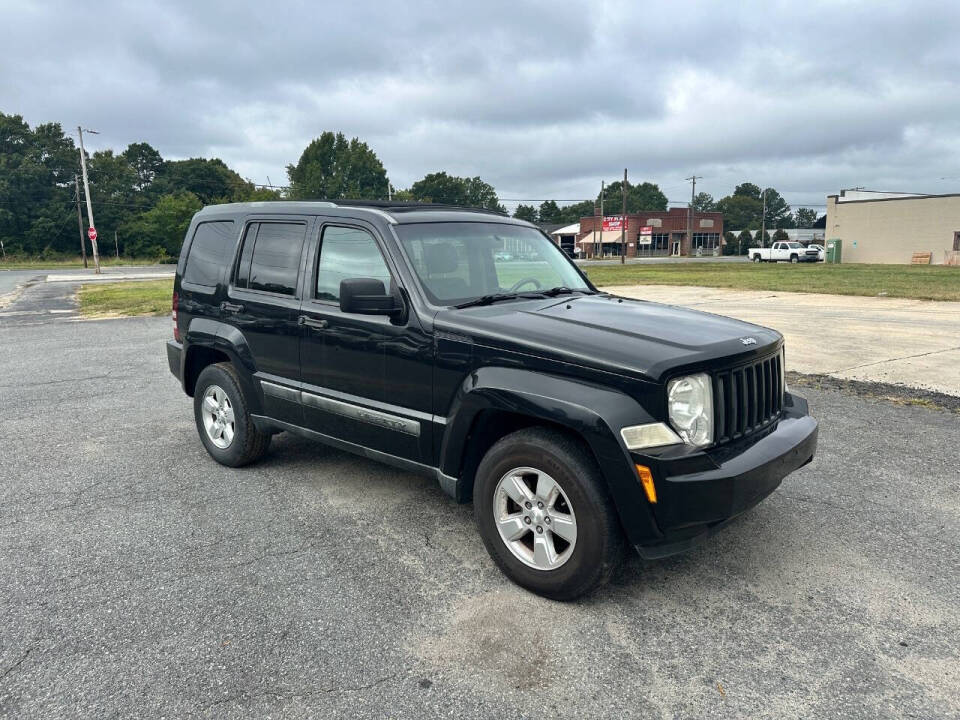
pixel 646 235
pixel 92 233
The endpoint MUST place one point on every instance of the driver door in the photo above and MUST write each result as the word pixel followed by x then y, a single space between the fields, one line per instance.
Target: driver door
pixel 366 379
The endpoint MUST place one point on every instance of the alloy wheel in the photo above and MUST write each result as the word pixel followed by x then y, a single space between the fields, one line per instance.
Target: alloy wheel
pixel 218 417
pixel 535 518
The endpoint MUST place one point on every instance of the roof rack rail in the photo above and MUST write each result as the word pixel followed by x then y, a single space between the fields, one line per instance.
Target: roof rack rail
pixel 397 206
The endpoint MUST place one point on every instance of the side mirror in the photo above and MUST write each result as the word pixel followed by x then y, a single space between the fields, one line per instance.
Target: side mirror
pixel 367 296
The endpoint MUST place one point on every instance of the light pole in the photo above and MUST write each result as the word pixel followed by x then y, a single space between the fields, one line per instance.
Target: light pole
pixel 86 190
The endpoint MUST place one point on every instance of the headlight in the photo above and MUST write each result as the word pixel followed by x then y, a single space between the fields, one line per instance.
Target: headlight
pixel 690 407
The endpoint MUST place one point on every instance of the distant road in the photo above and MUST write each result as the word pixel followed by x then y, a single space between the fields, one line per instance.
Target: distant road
pixel 10 279
pixel 654 260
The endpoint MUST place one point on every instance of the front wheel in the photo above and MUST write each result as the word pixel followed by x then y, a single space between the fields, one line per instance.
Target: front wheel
pixel 545 515
pixel 794 259
pixel 223 420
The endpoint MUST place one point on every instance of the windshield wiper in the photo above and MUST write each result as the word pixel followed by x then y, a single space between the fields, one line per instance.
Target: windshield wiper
pixel 497 297
pixel 564 290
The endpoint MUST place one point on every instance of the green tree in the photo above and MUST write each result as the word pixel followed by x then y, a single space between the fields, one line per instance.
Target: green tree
pixel 757 239
pixel 210 180
pixel 159 231
pixel 749 190
pixel 526 212
pixel 549 213
pixel 643 197
pixel 778 212
pixel 805 217
pixel 36 187
pixel 145 161
pixel 573 213
pixel 731 246
pixel 741 212
pixel 781 235
pixel 331 167
pixel 704 202
pixel 439 187
pixel 744 242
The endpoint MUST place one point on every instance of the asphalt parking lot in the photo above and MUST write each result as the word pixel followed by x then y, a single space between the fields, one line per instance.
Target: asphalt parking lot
pixel 142 579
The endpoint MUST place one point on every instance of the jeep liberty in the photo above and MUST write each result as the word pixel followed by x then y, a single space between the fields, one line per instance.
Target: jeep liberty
pixel 465 345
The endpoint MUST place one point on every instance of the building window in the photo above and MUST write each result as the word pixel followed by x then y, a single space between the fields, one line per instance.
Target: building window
pixel 707 241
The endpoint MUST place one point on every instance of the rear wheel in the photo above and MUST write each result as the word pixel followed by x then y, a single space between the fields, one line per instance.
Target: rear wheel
pixel 223 421
pixel 756 258
pixel 545 516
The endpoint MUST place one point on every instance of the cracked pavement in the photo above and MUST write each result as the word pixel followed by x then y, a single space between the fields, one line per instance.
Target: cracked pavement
pixel 140 578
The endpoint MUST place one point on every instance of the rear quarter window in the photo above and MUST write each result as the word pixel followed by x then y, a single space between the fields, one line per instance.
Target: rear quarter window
pixel 210 252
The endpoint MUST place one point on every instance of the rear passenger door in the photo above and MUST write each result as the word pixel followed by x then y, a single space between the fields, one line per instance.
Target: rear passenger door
pixel 263 305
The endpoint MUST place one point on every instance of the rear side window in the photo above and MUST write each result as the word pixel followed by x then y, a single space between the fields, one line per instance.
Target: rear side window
pixel 210 251
pixel 270 258
pixel 347 253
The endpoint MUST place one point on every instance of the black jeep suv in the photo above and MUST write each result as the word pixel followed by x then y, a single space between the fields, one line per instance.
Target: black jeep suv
pixel 465 345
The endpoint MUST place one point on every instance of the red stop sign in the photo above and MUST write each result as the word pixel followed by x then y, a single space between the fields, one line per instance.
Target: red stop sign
pixel 92 233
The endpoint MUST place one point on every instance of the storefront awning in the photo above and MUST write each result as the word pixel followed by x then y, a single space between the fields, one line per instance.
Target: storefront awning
pixel 610 236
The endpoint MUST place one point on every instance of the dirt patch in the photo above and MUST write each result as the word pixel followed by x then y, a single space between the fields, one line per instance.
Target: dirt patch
pixel 491 638
pixel 896 394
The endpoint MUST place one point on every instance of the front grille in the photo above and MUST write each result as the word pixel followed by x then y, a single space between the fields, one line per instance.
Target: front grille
pixel 748 398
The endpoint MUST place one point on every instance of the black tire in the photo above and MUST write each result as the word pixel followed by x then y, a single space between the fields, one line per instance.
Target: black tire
pixel 794 259
pixel 757 259
pixel 248 443
pixel 599 545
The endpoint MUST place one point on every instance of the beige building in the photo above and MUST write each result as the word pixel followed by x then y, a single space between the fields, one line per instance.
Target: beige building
pixel 890 227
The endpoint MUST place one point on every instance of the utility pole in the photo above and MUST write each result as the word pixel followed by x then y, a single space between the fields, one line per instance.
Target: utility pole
pixel 389 192
pixel 763 222
pixel 693 194
pixel 602 216
pixel 83 245
pixel 623 220
pixel 86 190
pixel 116 246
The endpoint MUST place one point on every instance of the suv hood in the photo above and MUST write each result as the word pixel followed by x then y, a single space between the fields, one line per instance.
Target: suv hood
pixel 621 335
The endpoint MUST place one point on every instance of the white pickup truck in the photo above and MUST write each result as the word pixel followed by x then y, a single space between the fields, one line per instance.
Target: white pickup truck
pixel 784 251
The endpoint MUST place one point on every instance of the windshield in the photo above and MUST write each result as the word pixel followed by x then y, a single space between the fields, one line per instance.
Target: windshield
pixel 461 262
pixel 794 246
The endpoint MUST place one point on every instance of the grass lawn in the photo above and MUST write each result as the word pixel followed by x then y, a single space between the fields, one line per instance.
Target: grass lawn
pixel 70 263
pixel 145 297
pixel 925 282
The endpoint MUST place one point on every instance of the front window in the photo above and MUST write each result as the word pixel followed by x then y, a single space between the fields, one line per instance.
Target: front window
pixel 460 262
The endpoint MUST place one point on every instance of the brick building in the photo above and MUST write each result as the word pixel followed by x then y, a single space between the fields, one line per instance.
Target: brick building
pixel 666 234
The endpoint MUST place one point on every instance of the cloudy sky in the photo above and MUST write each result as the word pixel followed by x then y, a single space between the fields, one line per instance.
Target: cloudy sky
pixel 541 99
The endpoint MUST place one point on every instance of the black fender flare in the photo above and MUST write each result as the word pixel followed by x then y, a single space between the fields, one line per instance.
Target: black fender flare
pixel 215 335
pixel 593 412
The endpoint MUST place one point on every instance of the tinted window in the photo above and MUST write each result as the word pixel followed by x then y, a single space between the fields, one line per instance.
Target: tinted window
pixel 348 253
pixel 211 249
pixel 275 259
pixel 242 278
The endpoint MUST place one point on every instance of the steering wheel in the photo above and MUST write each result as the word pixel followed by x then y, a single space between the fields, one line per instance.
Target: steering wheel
pixel 520 283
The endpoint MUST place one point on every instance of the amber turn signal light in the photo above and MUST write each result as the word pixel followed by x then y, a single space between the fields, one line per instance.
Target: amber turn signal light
pixel 646 479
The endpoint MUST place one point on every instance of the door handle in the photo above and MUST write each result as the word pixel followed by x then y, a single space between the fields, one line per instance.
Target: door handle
pixel 231 307
pixel 310 322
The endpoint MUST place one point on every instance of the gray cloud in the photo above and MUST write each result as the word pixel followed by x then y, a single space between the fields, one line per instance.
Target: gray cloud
pixel 542 99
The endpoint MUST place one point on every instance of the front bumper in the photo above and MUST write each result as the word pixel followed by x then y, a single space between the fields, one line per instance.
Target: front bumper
pixel 700 492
